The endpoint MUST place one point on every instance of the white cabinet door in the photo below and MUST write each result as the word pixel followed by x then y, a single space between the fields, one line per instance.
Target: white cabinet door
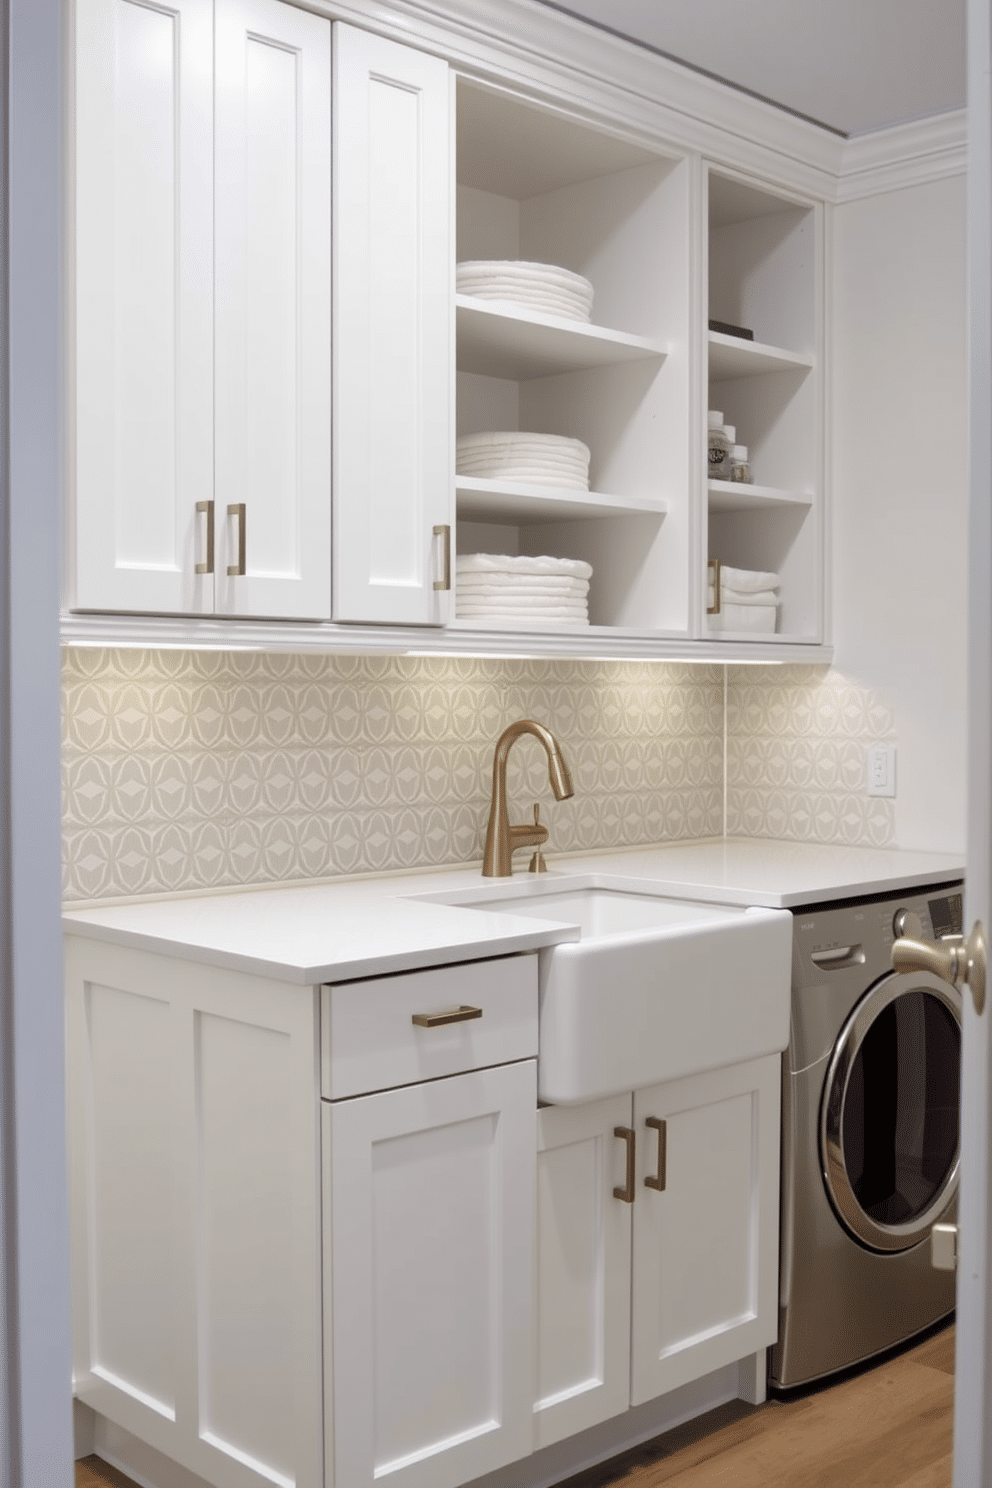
pixel 194 1184
pixel 393 348
pixel 143 304
pixel 431 1278
pixel 583 1267
pixel 273 292
pixel 705 1252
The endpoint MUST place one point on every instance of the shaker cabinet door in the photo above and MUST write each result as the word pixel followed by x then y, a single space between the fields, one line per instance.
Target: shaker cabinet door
pixel 429 1268
pixel 273 289
pixel 705 1252
pixel 143 371
pixel 393 350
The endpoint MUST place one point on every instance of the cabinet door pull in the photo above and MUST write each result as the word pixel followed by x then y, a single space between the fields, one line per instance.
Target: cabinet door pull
pixel 206 509
pixel 456 1015
pixel 714 569
pixel 659 1178
pixel 444 531
pixel 627 1192
pixel 237 510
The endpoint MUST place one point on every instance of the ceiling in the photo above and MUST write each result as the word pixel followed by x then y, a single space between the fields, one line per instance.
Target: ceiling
pixel 852 66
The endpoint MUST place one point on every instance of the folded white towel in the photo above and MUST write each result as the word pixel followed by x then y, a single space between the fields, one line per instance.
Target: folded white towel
pixel 521 607
pixel 744 617
pixel 478 586
pixel 741 596
pixel 524 617
pixel 521 564
pixel 531 622
pixel 521 439
pixel 522 269
pixel 746 580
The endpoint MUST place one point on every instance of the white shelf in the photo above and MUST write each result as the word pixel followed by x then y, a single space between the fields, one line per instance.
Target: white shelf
pixel 732 356
pixel 503 501
pixel 498 339
pixel 728 496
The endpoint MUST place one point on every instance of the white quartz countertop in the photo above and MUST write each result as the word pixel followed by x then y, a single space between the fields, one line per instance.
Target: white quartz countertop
pixel 369 927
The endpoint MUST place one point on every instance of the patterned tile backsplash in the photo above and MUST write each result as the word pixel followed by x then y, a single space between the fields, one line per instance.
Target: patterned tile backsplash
pixel 192 770
pixel 797 740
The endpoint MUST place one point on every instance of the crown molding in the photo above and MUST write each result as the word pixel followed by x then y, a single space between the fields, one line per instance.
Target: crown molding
pixel 905 155
pixel 610 82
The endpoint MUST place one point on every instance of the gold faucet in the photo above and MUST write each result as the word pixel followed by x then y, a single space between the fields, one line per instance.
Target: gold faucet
pixel 502 839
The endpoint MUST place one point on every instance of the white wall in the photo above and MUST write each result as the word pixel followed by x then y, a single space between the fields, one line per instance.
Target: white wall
pixel 900 486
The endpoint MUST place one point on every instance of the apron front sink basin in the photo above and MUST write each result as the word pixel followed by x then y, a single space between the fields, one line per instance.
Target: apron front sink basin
pixel 653 989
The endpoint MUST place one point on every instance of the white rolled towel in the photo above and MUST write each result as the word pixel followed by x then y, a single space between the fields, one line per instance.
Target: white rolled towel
pixel 758 618
pixel 742 597
pixel 574 568
pixel 746 580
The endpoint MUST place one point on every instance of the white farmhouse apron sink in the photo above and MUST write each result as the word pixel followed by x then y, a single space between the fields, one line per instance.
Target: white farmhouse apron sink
pixel 652 989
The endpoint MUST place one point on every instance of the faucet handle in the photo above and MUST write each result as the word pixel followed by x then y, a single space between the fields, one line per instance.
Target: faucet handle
pixel 537 863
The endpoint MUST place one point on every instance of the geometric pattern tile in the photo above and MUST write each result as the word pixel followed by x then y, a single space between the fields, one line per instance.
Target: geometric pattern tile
pixel 797 756
pixel 185 770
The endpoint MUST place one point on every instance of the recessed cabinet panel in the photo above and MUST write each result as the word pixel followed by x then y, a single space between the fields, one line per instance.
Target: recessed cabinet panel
pixel 705 1263
pixel 144 369
pixel 273 256
pixel 244 1245
pixel 131 1195
pixel 393 309
pixel 431 1278
pixel 583 1264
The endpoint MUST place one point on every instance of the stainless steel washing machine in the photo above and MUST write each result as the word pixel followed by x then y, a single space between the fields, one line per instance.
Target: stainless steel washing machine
pixel 870 1119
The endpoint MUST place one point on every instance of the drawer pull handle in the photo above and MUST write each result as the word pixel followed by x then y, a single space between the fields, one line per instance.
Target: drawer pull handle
pixel 237 510
pixel 456 1015
pixel 714 568
pixel 660 1177
pixel 627 1192
pixel 206 509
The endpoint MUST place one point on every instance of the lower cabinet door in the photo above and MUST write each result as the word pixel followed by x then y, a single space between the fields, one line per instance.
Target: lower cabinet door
pixel 428 1266
pixel 705 1249
pixel 583 1266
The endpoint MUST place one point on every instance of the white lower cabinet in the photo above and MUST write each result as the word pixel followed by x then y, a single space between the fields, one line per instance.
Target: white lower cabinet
pixel 644 1288
pixel 429 1258
pixel 323 1236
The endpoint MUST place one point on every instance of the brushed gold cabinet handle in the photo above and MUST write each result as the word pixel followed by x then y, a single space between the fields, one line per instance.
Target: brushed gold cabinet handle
pixel 206 509
pixel 237 509
pixel 444 531
pixel 627 1192
pixel 660 1177
pixel 714 568
pixel 456 1015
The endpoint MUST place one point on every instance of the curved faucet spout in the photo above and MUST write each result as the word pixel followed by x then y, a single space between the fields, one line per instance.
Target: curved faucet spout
pixel 502 839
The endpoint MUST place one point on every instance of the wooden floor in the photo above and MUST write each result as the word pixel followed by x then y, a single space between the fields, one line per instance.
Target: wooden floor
pixel 888 1427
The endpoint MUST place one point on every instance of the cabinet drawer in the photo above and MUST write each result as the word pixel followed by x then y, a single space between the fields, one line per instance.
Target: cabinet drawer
pixel 369 1041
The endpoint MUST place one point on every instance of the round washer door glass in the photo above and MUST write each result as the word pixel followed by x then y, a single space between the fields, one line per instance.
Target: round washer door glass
pixel 889 1119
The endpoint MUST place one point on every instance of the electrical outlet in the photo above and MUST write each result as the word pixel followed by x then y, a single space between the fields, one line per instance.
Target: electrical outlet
pixel 881 769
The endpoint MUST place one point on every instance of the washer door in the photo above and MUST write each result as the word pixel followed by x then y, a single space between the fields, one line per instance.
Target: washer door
pixel 889 1117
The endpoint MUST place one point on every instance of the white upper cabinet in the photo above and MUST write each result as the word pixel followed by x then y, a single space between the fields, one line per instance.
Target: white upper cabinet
pixel 274 364
pixel 273 309
pixel 143 304
pixel 202 293
pixel 393 298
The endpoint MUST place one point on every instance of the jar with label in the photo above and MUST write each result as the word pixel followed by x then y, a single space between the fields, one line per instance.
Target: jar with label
pixel 740 470
pixel 718 447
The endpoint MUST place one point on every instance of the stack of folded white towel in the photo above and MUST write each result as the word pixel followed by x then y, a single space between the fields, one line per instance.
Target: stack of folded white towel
pixel 748 600
pixel 531 459
pixel 545 288
pixel 493 588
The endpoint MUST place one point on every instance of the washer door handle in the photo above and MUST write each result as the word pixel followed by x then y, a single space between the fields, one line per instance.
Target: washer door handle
pixel 954 960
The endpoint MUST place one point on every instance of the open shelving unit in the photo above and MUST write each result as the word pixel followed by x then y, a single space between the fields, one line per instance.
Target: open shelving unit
pixel 764 272
pixel 535 185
